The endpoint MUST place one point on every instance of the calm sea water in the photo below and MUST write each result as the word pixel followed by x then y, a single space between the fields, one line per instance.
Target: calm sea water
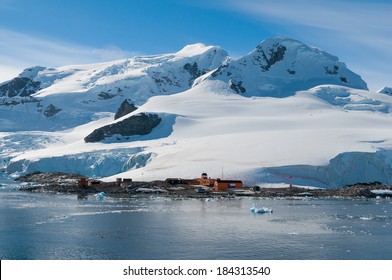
pixel 44 226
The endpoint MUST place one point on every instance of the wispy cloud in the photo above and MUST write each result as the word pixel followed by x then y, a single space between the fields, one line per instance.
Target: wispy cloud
pixel 19 51
pixel 358 31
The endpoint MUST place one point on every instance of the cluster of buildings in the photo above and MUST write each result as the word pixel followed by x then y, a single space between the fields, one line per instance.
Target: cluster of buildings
pixel 205 181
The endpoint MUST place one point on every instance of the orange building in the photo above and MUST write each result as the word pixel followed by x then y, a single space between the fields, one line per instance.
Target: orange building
pixel 223 185
pixel 206 181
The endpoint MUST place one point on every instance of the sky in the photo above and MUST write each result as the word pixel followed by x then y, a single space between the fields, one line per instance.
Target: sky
pixel 54 33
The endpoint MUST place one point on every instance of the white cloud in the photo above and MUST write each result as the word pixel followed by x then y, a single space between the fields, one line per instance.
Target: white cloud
pixel 19 51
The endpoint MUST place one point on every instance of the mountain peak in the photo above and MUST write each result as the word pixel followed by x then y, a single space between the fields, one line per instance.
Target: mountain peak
pixel 280 66
pixel 295 46
pixel 195 49
pixel 279 40
pixel 31 72
pixel 386 90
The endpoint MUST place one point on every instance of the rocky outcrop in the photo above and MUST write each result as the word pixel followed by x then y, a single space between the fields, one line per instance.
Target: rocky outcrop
pixel 194 71
pixel 386 90
pixel 125 108
pixel 49 177
pixel 51 110
pixel 140 124
pixel 237 87
pixel 269 57
pixel 21 86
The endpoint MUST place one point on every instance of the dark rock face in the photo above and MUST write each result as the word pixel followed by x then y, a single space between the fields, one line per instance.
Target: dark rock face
pixel 237 87
pixel 333 71
pixel 22 86
pixel 105 96
pixel 194 71
pixel 344 80
pixel 125 108
pixel 140 124
pixel 51 110
pixel 386 90
pixel 269 57
pixel 291 72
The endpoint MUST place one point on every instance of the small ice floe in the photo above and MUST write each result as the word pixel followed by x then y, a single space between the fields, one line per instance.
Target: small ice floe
pixel 261 210
pixel 100 196
pixel 150 190
pixel 209 199
pixel 382 193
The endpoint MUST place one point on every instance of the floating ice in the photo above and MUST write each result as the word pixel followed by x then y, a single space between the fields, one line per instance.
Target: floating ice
pixel 100 196
pixel 382 192
pixel 261 210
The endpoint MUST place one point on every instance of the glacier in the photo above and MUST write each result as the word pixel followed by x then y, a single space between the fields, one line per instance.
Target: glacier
pixel 286 113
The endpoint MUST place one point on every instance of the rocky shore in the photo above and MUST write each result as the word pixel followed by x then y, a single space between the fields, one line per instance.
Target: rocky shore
pixel 57 182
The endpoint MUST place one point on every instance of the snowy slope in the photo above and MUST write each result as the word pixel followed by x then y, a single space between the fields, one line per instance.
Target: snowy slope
pixel 62 98
pixel 252 139
pixel 326 134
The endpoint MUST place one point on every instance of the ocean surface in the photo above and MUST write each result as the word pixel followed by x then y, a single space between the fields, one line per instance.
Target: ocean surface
pixel 59 226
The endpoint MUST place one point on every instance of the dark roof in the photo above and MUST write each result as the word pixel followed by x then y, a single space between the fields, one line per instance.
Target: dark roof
pixel 228 181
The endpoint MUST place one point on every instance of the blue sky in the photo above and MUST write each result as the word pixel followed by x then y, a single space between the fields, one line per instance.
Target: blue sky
pixel 60 32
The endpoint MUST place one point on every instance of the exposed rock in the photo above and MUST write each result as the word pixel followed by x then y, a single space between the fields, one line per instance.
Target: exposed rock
pixel 125 108
pixel 49 177
pixel 221 69
pixel 194 71
pixel 386 90
pixel 291 72
pixel 333 71
pixel 51 110
pixel 140 124
pixel 22 86
pixel 270 57
pixel 344 80
pixel 237 87
pixel 10 101
pixel 105 96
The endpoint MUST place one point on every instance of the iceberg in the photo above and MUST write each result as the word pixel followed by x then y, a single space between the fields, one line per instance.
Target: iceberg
pixel 261 210
pixel 100 196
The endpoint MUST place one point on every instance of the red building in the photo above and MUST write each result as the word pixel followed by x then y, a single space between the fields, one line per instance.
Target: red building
pixel 206 181
pixel 223 185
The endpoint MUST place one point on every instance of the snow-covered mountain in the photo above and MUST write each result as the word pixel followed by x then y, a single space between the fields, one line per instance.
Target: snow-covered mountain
pixel 52 99
pixel 280 66
pixel 284 113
